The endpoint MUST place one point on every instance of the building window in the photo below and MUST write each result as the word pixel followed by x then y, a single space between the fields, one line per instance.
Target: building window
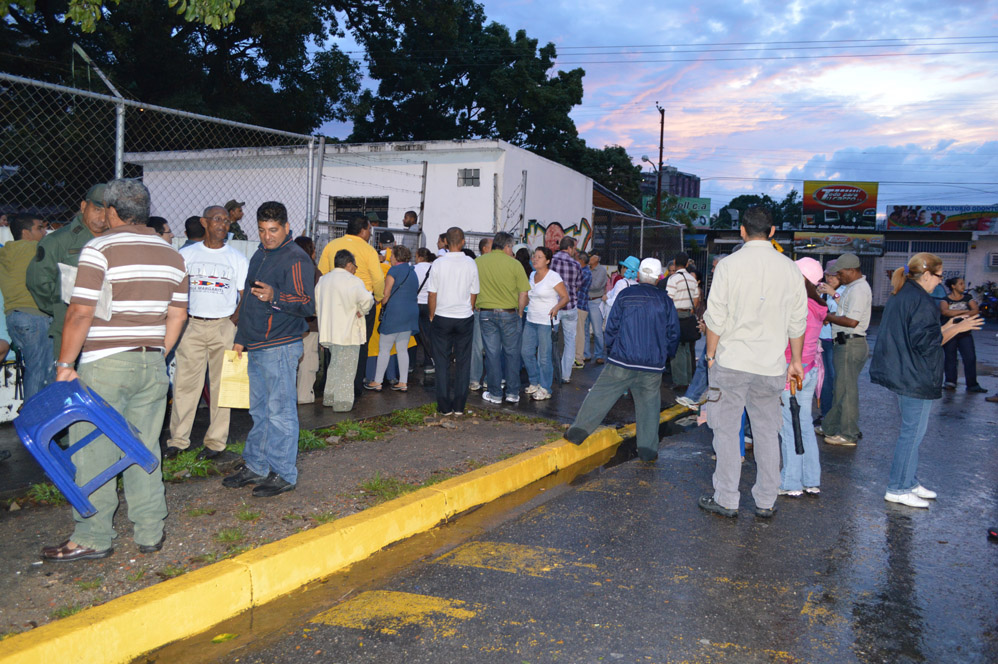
pixel 343 209
pixel 469 177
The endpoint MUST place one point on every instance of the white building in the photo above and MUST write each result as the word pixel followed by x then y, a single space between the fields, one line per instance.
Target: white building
pixel 482 186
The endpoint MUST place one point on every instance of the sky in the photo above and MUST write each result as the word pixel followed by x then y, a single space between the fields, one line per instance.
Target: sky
pixel 760 95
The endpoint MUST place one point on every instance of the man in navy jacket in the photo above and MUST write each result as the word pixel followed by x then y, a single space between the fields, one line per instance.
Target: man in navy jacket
pixel 279 296
pixel 642 334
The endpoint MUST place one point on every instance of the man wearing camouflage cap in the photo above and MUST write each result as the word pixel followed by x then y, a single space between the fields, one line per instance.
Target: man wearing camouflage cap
pixel 235 210
pixel 63 246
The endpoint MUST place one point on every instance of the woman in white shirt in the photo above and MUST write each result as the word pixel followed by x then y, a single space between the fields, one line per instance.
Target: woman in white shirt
pixel 547 295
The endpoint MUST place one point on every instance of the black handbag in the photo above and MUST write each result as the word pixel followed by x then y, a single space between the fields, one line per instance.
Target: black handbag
pixel 689 328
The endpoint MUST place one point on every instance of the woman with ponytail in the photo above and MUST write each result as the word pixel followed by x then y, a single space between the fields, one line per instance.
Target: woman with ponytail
pixel 908 360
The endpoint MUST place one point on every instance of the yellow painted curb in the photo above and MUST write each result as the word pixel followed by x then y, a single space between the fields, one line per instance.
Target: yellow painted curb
pixel 125 628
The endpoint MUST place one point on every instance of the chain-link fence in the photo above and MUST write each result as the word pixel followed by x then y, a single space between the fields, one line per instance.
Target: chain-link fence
pixel 58 141
pixel 617 235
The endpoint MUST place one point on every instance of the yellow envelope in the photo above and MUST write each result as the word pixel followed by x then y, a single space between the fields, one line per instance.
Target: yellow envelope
pixel 235 391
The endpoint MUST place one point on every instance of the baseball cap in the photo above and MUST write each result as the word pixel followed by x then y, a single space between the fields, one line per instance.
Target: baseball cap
pixel 517 247
pixel 233 204
pixel 651 267
pixel 830 267
pixel 848 261
pixel 810 268
pixel 95 194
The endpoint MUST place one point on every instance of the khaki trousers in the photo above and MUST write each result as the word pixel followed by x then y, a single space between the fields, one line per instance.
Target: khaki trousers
pixel 308 366
pixel 201 347
pixel 580 337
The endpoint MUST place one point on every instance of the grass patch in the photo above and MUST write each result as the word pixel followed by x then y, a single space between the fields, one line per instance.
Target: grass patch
pixel 187 464
pixel 236 447
pixel 229 535
pixel 46 493
pixel 92 584
pixel 311 440
pixel 246 514
pixel 200 511
pixel 324 517
pixel 439 476
pixel 67 610
pixel 234 551
pixel 8 634
pixel 365 430
pixel 171 571
pixel 292 517
pixel 386 488
pixel 136 575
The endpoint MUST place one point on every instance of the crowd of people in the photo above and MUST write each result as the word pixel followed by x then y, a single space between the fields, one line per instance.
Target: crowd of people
pixel 777 333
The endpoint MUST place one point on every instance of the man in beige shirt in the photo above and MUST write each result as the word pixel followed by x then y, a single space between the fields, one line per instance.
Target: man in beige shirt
pixel 757 303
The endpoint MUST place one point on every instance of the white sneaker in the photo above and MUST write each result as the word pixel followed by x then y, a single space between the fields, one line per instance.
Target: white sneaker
pixel 532 388
pixel 491 398
pixel 513 398
pixel 474 387
pixel 541 394
pixel 791 493
pixel 908 498
pixel 923 493
pixel 688 403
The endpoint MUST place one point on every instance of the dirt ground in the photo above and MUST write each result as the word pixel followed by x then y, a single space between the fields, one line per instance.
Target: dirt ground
pixel 208 522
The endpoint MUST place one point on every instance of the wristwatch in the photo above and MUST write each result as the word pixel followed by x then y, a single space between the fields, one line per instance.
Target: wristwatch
pixel 708 358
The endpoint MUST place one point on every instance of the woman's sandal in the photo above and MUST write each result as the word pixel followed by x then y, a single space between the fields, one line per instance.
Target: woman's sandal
pixel 400 387
pixel 374 387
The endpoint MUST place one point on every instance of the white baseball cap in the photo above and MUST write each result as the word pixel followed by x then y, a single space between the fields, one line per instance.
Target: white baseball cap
pixel 651 267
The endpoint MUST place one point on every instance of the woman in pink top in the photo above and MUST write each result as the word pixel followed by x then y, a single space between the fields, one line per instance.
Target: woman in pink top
pixel 802 473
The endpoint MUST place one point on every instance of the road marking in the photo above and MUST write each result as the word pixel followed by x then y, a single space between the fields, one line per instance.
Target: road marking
pixel 389 612
pixel 513 558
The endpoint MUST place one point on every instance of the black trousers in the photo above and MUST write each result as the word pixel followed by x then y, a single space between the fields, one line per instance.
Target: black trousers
pixel 452 335
pixel 425 336
pixel 964 343
pixel 358 381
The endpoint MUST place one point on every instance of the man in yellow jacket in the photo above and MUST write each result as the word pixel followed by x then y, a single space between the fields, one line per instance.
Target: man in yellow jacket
pixel 356 241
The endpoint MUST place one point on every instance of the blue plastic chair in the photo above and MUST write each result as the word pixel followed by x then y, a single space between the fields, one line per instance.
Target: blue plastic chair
pixel 53 409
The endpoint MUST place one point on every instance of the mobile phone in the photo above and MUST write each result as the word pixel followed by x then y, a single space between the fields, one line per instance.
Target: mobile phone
pixel 958 319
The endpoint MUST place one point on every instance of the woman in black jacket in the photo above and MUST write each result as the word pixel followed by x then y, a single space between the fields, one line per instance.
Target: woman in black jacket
pixel 908 360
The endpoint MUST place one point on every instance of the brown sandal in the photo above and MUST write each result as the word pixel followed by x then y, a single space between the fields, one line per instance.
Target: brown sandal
pixel 63 554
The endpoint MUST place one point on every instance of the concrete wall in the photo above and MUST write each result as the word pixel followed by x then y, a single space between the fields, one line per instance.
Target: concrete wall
pixel 977 260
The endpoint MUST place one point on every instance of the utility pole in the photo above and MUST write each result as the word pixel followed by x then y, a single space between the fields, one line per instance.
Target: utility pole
pixel 661 147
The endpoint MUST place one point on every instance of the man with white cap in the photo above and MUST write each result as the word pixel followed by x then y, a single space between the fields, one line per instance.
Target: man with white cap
pixel 757 304
pixel 841 425
pixel 642 333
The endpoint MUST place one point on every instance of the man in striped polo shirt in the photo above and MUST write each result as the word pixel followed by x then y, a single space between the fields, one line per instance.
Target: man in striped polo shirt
pixel 122 360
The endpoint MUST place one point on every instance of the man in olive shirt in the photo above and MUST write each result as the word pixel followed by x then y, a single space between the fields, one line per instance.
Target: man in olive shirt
pixel 502 297
pixel 63 246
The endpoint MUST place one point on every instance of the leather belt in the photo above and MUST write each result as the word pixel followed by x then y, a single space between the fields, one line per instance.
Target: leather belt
pixel 203 318
pixel 593 299
pixel 684 311
pixel 148 349
pixel 853 336
pixel 505 311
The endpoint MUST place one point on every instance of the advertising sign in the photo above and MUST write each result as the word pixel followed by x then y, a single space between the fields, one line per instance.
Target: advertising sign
pixel 845 205
pixel 943 217
pixel 865 244
pixel 698 206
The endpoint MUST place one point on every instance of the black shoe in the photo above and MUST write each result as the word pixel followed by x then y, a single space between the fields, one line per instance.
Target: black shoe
pixel 651 459
pixel 242 478
pixel 273 485
pixel 153 548
pixel 172 452
pixel 576 435
pixel 977 389
pixel 706 502
pixel 765 512
pixel 209 454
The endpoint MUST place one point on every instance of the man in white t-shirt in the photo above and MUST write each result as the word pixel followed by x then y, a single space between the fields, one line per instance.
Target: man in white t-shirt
pixel 452 290
pixel 217 271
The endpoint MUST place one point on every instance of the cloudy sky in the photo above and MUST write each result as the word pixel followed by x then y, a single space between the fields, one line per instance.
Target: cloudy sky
pixel 760 95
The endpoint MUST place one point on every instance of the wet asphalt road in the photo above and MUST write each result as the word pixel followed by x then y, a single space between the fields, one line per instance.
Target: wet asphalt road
pixel 623 566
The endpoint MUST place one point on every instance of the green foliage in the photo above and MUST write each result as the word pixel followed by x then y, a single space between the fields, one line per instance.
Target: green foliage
pixel 200 511
pixel 187 463
pixel 92 584
pixel 788 211
pixel 46 493
pixel 309 440
pixel 229 535
pixel 86 13
pixel 246 514
pixel 136 575
pixel 171 571
pixel 612 167
pixel 325 517
pixel 236 447
pixel 67 610
pixel 386 488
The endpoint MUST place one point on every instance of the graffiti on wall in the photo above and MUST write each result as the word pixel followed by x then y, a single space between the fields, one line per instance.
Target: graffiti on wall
pixel 549 234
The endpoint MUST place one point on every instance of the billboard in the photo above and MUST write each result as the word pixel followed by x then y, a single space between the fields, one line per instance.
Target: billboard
pixel 943 217
pixel 861 244
pixel 697 206
pixel 840 205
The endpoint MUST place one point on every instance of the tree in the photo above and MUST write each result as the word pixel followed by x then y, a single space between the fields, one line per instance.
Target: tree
pixel 789 211
pixel 258 69
pixel 741 203
pixel 612 167
pixel 443 74
pixel 86 13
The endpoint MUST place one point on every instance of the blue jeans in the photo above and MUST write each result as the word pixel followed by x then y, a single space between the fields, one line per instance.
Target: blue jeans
pixel 501 337
pixel 914 421
pixel 698 385
pixel 536 352
pixel 272 443
pixel 803 470
pixel 477 361
pixel 595 349
pixel 30 333
pixel 569 323
pixel 828 387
